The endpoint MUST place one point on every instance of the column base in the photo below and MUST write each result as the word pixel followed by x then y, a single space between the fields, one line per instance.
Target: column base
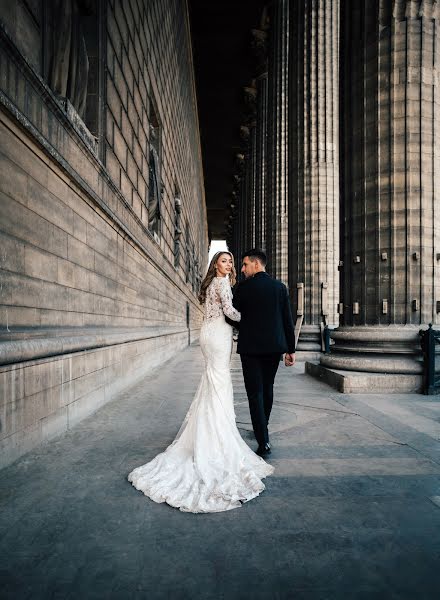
pixel 392 349
pixel 355 382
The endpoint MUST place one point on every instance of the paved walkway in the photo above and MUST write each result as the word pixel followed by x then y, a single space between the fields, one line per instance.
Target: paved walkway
pixel 352 511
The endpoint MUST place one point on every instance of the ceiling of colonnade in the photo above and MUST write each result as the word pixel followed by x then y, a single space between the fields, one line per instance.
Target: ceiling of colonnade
pixel 224 65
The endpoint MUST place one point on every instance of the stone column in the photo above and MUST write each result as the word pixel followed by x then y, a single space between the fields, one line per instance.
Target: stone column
pixel 261 148
pixel 259 45
pixel 390 144
pixel 231 223
pixel 237 218
pixel 277 120
pixel 242 216
pixel 314 164
pixel 250 165
pixel 251 168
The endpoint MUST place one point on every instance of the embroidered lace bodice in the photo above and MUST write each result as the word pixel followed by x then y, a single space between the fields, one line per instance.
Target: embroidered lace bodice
pixel 219 300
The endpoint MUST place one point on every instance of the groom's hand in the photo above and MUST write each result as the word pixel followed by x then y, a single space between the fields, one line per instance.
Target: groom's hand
pixel 289 359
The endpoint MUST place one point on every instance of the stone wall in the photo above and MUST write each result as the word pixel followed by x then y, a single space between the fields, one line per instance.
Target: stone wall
pixel 92 294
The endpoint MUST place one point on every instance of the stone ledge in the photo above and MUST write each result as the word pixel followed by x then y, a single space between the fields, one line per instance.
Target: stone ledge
pixel 42 399
pixel 35 345
pixel 307 355
pixel 355 382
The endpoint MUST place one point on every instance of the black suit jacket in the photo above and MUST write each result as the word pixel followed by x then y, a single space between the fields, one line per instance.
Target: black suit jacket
pixel 266 325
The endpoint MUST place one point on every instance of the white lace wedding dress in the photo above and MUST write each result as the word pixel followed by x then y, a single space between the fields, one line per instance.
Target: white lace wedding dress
pixel 208 467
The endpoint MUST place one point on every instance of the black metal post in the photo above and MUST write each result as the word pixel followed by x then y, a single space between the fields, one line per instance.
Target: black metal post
pixel 429 339
pixel 430 360
pixel 327 339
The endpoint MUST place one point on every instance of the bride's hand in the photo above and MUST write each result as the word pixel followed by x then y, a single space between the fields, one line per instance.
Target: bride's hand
pixel 289 359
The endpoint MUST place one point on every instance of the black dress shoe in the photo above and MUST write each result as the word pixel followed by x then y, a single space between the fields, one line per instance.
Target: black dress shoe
pixel 263 450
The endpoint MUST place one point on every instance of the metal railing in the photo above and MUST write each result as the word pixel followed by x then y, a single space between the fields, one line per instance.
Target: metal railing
pixel 299 312
pixel 429 340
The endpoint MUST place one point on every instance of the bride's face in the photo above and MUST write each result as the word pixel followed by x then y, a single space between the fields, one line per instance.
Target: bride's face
pixel 223 265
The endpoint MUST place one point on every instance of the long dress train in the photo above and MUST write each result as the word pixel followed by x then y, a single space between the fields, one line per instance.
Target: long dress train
pixel 208 467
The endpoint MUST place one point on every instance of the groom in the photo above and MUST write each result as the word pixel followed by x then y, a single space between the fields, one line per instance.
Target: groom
pixel 266 332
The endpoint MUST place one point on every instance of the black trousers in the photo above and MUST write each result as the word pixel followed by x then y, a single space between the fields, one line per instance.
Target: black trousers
pixel 259 372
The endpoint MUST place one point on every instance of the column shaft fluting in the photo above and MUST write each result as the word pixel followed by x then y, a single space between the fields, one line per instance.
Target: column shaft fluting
pixel 251 177
pixel 314 163
pixel 277 192
pixel 261 149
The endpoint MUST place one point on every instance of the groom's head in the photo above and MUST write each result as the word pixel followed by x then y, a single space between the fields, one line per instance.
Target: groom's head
pixel 253 261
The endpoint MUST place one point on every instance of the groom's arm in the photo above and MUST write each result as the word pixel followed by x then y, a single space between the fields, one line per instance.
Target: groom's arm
pixel 236 297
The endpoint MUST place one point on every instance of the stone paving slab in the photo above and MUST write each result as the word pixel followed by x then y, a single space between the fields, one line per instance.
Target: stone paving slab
pixel 351 512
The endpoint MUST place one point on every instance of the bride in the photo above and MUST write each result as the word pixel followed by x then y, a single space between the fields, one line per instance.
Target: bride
pixel 208 467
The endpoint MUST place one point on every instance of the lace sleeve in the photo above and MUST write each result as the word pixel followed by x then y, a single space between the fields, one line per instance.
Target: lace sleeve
pixel 225 293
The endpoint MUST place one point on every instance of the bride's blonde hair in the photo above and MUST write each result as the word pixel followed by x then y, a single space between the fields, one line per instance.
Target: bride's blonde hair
pixel 211 273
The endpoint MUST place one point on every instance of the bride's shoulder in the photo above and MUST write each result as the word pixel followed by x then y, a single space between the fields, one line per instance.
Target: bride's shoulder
pixel 213 285
pixel 214 282
pixel 223 282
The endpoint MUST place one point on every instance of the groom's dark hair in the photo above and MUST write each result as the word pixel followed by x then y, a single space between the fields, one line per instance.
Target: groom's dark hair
pixel 256 254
